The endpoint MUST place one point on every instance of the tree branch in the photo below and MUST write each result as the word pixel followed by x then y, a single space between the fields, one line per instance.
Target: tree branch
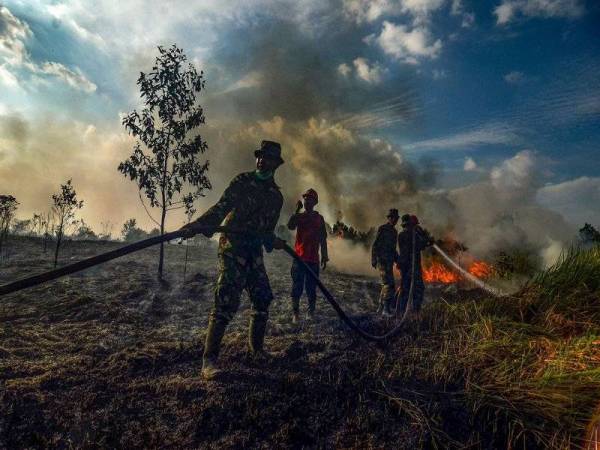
pixel 146 209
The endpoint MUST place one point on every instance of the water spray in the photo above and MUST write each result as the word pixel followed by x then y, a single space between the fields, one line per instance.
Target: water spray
pixel 473 279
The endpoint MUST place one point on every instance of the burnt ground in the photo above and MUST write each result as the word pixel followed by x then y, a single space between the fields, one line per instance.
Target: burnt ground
pixel 109 357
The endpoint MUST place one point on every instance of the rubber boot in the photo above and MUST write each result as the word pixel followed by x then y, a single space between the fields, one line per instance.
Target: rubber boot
pixel 256 337
pixel 295 310
pixel 212 345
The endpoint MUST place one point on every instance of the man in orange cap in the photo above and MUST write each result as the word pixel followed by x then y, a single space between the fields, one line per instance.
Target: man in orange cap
pixel 311 235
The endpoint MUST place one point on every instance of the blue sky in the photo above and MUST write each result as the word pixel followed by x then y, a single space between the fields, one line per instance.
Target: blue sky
pixel 459 86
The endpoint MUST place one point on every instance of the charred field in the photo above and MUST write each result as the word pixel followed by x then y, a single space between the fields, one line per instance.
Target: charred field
pixel 110 357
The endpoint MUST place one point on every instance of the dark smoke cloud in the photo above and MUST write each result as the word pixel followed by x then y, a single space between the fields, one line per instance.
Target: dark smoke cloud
pixel 296 75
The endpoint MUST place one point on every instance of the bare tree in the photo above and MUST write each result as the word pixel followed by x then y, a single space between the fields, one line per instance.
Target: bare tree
pixel 65 206
pixel 165 157
pixel 8 207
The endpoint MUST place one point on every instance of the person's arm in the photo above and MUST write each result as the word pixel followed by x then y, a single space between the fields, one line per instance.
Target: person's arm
pixel 271 241
pixel 424 237
pixel 323 242
pixel 215 215
pixel 375 248
pixel 293 222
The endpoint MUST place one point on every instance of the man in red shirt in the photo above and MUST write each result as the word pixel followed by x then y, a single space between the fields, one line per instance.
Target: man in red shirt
pixel 311 236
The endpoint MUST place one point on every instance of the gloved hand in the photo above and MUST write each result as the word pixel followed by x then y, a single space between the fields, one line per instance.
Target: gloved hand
pixel 299 206
pixel 193 228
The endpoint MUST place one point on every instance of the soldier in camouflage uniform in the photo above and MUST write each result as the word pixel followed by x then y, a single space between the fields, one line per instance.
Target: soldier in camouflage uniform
pixel 383 257
pixel 251 202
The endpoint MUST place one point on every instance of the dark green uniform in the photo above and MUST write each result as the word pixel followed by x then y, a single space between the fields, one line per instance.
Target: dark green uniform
pixel 406 245
pixel 383 257
pixel 249 203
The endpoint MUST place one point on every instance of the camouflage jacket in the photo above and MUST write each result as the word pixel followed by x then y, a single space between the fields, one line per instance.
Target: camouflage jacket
pixel 405 247
pixel 383 250
pixel 248 203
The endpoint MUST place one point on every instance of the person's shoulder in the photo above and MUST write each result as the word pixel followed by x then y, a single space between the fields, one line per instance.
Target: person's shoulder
pixel 244 176
pixel 386 227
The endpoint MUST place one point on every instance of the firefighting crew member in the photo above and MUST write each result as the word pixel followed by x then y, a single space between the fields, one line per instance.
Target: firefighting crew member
pixel 422 240
pixel 251 202
pixel 383 257
pixel 311 235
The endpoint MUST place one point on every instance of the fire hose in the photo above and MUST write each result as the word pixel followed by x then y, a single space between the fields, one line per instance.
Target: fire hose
pixel 125 250
pixel 473 279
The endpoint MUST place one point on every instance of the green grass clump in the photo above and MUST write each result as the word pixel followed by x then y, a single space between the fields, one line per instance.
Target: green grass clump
pixel 526 367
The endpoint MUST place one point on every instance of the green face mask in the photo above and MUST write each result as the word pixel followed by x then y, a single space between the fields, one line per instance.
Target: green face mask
pixel 263 175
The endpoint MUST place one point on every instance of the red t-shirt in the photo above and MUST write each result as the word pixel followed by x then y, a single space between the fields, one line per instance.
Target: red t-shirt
pixel 308 236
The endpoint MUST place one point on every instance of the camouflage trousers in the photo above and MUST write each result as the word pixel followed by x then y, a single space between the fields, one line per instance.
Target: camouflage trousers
pixel 236 274
pixel 386 276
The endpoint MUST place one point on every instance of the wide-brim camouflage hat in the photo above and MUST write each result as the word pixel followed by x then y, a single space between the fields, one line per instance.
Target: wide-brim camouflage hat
pixel 393 213
pixel 270 149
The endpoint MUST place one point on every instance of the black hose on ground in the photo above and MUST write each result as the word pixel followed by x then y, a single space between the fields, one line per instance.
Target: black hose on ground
pixel 35 280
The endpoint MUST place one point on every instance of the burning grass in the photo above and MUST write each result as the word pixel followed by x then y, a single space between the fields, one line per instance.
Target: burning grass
pixel 110 358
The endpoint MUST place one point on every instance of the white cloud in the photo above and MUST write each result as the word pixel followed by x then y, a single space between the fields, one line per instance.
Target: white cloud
pixel 7 78
pixel 75 78
pixel 361 11
pixel 577 200
pixel 514 77
pixel 14 34
pixel 491 134
pixel 515 176
pixel 369 10
pixel 470 165
pixel 457 7
pixel 408 45
pixel 369 73
pixel 344 69
pixel 509 10
pixel 250 80
pixel 421 9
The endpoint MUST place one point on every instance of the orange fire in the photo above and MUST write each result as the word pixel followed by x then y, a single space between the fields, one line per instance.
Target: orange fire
pixel 481 269
pixel 436 272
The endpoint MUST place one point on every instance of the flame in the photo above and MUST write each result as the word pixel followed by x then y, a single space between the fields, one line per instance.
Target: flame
pixel 481 269
pixel 436 272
